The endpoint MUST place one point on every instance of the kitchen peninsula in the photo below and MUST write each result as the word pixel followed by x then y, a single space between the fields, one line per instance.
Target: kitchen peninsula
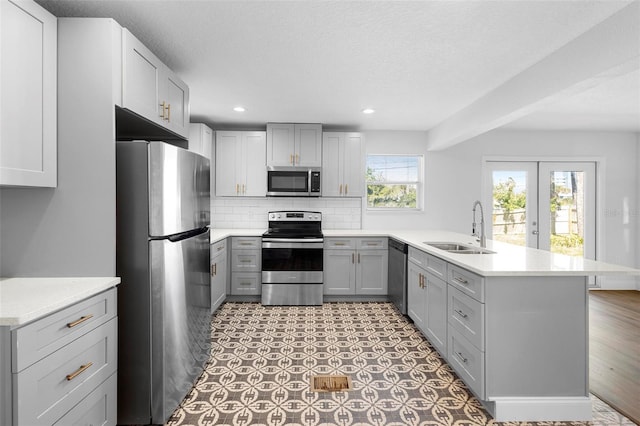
pixel 513 324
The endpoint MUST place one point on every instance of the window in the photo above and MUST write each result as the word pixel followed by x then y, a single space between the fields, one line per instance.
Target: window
pixel 393 181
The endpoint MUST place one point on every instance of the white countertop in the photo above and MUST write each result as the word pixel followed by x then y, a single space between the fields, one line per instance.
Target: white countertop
pixel 26 299
pixel 509 260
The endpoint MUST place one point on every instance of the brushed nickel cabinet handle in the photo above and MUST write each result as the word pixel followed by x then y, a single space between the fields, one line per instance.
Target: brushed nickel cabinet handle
pixel 79 371
pixel 462 358
pixel 459 312
pixel 79 321
pixel 461 281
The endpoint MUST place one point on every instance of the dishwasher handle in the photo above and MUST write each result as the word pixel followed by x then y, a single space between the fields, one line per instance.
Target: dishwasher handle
pixel 398 245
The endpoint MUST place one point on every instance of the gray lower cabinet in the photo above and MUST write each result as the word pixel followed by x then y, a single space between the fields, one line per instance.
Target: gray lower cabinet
pixel 246 266
pixel 511 339
pixel 62 367
pixel 355 266
pixel 218 271
pixel 427 297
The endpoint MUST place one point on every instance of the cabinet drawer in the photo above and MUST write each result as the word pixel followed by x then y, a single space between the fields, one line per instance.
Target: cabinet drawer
pixel 246 243
pixel 372 243
pixel 467 361
pixel 218 248
pixel 98 408
pixel 467 316
pixel 467 282
pixel 246 283
pixel 48 389
pixel 437 267
pixel 40 338
pixel 246 260
pixel 417 257
pixel 339 243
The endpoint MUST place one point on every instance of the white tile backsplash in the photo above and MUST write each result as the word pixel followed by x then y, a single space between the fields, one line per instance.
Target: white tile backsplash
pixel 250 213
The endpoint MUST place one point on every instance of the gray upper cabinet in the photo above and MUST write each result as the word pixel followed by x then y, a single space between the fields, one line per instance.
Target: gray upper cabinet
pixel 291 144
pixel 151 89
pixel 342 158
pixel 28 134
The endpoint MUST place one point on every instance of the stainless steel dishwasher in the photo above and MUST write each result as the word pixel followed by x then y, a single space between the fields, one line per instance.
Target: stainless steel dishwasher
pixel 398 274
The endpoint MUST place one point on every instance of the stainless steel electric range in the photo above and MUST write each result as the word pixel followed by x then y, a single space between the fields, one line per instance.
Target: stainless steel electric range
pixel 292 259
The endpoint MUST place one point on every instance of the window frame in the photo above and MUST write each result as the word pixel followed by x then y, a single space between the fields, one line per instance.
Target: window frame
pixel 419 183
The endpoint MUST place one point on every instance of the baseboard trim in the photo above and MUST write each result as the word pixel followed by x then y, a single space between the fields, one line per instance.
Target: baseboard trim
pixel 542 409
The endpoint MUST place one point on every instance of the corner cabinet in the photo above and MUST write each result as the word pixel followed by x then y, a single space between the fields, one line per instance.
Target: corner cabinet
pixel 151 89
pixel 28 113
pixel 291 144
pixel 240 164
pixel 200 139
pixel 342 170
pixel 62 368
pixel 355 266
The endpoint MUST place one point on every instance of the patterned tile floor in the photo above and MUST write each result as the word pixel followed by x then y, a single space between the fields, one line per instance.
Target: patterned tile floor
pixel 263 357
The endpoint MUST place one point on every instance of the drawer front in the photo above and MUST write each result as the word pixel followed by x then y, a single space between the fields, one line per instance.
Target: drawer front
pixel 339 243
pixel 246 283
pixel 467 282
pixel 418 257
pixel 52 386
pixel 40 338
pixel 218 248
pixel 246 260
pixel 437 267
pixel 467 316
pixel 467 361
pixel 246 243
pixel 97 409
pixel 381 243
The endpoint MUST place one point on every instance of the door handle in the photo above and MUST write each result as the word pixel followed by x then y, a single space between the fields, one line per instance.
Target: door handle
pixel 535 232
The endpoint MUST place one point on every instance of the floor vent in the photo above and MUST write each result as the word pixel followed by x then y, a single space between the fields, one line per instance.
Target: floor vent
pixel 331 383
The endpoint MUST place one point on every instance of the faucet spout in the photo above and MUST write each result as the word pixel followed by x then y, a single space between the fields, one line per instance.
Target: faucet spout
pixel 480 237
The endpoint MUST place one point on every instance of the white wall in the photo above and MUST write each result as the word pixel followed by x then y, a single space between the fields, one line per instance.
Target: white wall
pixel 453 181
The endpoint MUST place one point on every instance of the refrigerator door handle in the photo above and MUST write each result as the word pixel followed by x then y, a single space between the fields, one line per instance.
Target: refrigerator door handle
pixel 174 238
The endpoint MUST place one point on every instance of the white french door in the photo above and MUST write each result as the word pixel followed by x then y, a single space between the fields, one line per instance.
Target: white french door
pixel 543 204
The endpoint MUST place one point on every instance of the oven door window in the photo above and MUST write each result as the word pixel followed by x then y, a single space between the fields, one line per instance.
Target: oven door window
pixel 288 181
pixel 291 259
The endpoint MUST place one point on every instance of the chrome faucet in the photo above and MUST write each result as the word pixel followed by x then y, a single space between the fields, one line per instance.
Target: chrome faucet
pixel 482 237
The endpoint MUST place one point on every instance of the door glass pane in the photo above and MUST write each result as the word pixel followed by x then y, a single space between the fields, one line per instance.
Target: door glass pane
pixel 567 217
pixel 508 217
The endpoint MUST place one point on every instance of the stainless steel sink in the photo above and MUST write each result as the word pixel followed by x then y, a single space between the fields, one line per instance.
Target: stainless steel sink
pixel 458 248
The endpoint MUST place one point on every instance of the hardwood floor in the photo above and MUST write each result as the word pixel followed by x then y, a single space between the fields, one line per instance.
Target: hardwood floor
pixel 614 349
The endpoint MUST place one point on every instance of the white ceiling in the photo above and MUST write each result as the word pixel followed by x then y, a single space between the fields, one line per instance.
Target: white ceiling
pixel 416 63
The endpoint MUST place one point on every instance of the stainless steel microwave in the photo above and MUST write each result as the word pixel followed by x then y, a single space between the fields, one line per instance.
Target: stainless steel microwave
pixel 293 182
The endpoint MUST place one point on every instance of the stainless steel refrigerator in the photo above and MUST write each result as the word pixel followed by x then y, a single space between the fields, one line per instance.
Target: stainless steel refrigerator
pixel 163 260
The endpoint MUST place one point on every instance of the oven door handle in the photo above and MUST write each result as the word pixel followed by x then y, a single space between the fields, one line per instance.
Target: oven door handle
pixel 292 240
pixel 291 245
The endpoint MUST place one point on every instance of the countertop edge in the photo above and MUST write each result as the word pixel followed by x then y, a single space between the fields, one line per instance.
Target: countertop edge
pixel 572 267
pixel 78 289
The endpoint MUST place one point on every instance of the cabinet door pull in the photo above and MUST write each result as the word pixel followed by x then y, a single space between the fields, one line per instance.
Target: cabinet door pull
pixel 461 281
pixel 338 244
pixel 297 159
pixel 162 105
pixel 462 358
pixel 290 158
pixel 79 321
pixel 420 280
pixel 346 189
pixel 220 248
pixel 243 189
pixel 358 257
pixel 169 112
pixel 245 283
pixel 211 272
pixel 340 189
pixel 237 188
pixel 459 312
pixel 353 258
pixel 79 371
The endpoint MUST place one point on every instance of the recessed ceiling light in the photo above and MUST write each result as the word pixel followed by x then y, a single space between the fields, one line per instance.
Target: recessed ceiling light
pixel 239 109
pixel 368 111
